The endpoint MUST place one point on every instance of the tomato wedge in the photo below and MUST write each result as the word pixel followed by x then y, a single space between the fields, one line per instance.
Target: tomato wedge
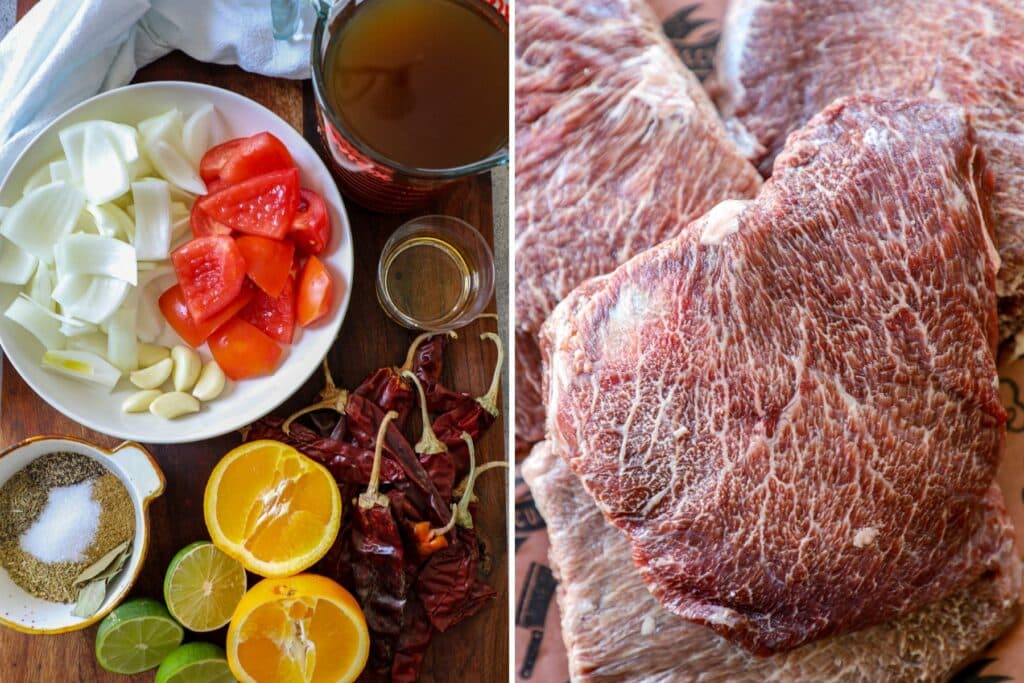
pixel 243 158
pixel 243 351
pixel 315 292
pixel 311 229
pixel 275 316
pixel 203 225
pixel 172 305
pixel 264 205
pixel 211 272
pixel 268 262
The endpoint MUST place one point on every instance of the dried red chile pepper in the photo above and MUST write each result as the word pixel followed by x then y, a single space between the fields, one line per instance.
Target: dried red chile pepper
pixel 431 451
pixel 473 416
pixel 378 565
pixel 428 366
pixel 389 389
pixel 361 416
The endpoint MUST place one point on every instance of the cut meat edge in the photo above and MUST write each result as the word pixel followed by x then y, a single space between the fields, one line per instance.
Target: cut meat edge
pixel 615 630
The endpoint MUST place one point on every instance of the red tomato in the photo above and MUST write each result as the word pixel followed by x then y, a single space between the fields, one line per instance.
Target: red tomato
pixel 243 158
pixel 273 315
pixel 268 262
pixel 211 272
pixel 215 158
pixel 311 229
pixel 243 351
pixel 264 205
pixel 172 305
pixel 203 225
pixel 315 291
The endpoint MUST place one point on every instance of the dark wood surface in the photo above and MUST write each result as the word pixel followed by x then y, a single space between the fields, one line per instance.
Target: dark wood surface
pixel 475 651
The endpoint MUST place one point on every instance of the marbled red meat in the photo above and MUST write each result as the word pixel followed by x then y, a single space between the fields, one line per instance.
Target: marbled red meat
pixel 792 408
pixel 780 63
pixel 617 148
pixel 614 629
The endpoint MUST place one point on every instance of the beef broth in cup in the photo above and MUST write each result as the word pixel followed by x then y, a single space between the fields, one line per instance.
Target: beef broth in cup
pixel 411 95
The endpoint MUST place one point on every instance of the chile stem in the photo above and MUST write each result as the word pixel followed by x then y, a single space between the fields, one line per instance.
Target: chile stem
pixel 428 443
pixel 331 397
pixel 489 401
pixel 372 496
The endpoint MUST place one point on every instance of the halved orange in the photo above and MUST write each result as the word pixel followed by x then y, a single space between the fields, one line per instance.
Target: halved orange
pixel 302 629
pixel 272 508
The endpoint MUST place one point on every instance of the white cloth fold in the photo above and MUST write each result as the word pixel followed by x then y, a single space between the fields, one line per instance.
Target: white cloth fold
pixel 65 51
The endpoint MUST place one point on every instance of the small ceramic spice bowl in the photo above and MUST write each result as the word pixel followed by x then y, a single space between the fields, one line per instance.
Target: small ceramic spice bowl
pixel 144 481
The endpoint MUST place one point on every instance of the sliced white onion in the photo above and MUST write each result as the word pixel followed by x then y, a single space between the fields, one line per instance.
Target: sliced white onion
pixel 92 298
pixel 152 219
pixel 94 342
pixel 41 218
pixel 77 329
pixel 112 221
pixel 122 345
pixel 162 140
pixel 81 254
pixel 60 170
pixel 195 135
pixel 172 165
pixel 37 321
pixel 99 154
pixel 82 365
pixel 40 287
pixel 16 265
pixel 38 179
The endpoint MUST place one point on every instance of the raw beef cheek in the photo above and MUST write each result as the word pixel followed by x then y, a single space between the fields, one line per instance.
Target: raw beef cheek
pixel 780 63
pixel 615 630
pixel 792 408
pixel 617 148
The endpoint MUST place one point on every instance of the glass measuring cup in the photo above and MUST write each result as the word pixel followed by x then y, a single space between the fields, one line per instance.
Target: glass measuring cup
pixel 365 175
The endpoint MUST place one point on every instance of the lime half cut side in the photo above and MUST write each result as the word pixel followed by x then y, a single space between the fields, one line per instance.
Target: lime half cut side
pixel 203 586
pixel 136 637
pixel 195 663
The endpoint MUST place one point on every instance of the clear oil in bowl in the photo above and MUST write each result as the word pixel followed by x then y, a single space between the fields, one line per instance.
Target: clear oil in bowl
pixel 435 273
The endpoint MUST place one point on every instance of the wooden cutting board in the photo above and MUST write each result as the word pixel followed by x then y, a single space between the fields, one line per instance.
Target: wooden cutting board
pixel 476 650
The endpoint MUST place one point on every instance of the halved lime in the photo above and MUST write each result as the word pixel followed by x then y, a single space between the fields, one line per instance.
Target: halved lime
pixel 195 663
pixel 136 636
pixel 203 586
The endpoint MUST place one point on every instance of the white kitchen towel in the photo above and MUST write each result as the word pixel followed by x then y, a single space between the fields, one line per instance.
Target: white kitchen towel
pixel 65 51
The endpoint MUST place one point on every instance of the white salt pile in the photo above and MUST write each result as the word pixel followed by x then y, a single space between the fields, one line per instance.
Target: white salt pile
pixel 66 527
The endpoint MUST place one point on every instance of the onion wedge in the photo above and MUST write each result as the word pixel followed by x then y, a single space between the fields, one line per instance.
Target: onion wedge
pixel 84 366
pixel 82 254
pixel 42 218
pixel 152 219
pixel 16 265
pixel 92 298
pixel 37 320
pixel 100 154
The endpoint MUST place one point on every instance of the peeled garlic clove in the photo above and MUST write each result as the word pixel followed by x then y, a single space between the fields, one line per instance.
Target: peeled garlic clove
pixel 151 354
pixel 211 382
pixel 174 404
pixel 140 401
pixel 187 365
pixel 153 376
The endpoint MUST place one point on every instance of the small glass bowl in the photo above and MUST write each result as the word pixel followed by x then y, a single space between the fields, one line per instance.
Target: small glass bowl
pixel 447 248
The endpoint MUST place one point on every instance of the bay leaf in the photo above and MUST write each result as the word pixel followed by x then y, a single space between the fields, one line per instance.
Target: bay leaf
pixel 117 565
pixel 100 565
pixel 90 599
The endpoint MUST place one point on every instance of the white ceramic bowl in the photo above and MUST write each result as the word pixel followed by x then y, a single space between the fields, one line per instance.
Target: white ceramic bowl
pixel 243 402
pixel 140 475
